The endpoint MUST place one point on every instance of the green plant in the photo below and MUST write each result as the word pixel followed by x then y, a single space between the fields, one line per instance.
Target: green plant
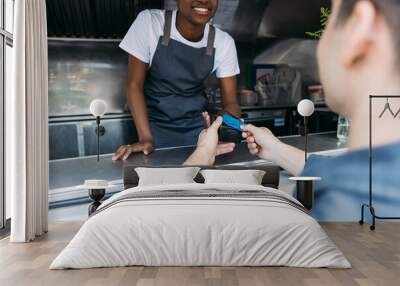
pixel 325 13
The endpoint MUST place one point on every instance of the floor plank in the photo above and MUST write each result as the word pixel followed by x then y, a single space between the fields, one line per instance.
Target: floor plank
pixel 375 257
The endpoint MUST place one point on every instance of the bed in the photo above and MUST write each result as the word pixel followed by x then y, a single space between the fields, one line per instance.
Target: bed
pixel 199 224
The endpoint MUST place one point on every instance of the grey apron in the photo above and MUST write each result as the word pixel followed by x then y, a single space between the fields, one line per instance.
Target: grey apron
pixel 174 89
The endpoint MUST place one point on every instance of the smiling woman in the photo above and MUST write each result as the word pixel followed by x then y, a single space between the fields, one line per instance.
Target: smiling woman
pixel 171 55
pixel 196 12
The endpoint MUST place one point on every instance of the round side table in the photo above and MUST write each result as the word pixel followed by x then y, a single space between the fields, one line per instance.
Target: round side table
pixel 97 190
pixel 305 190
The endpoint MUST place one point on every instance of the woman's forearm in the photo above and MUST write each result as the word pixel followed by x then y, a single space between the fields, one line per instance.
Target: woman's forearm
pixel 200 157
pixel 233 108
pixel 138 109
pixel 229 95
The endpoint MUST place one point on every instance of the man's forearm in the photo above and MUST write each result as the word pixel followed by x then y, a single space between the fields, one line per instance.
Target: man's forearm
pixel 138 109
pixel 288 157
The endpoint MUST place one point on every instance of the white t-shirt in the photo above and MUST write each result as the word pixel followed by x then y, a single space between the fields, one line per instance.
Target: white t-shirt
pixel 142 38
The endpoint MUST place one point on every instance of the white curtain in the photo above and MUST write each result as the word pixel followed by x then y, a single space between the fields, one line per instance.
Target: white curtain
pixel 26 123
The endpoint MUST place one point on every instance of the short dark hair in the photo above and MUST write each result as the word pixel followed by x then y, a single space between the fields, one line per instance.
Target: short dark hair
pixel 390 9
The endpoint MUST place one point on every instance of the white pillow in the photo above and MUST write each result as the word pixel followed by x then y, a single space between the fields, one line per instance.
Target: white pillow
pixel 166 176
pixel 247 177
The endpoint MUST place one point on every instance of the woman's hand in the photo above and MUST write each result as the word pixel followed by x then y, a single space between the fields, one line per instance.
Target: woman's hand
pixel 125 151
pixel 207 145
pixel 221 147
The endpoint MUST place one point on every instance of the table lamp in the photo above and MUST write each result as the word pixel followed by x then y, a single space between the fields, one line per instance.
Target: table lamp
pixel 305 108
pixel 305 185
pixel 98 109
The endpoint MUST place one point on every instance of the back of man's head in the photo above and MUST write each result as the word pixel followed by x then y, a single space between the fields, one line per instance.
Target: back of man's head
pixel 390 9
pixel 359 53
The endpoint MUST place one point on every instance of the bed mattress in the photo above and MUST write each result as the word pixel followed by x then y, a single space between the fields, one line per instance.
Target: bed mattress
pixel 201 225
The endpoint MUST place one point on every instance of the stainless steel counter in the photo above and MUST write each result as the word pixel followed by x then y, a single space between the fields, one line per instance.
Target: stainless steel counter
pixel 67 175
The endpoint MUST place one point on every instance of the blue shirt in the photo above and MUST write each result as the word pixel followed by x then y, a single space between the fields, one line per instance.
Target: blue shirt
pixel 344 185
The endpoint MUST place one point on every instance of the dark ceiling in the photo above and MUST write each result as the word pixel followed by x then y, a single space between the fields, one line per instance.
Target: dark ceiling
pixel 94 18
pixel 245 20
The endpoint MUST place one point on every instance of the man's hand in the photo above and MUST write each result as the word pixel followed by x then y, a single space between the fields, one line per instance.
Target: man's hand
pixel 267 146
pixel 125 151
pixel 207 145
pixel 260 141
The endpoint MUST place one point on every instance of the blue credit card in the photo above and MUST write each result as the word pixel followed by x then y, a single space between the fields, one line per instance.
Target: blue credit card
pixel 232 122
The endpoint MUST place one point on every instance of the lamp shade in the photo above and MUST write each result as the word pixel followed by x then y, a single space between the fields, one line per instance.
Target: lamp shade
pixel 305 107
pixel 98 107
pixel 96 184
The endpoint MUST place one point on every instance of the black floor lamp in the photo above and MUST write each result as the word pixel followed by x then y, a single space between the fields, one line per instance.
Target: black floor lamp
pixel 305 185
pixel 305 108
pixel 98 109
pixel 97 188
pixel 370 198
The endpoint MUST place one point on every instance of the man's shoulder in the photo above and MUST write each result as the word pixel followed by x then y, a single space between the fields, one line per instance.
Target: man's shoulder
pixel 385 157
pixel 329 163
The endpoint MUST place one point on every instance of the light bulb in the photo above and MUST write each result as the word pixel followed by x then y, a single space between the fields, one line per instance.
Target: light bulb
pixel 305 107
pixel 98 107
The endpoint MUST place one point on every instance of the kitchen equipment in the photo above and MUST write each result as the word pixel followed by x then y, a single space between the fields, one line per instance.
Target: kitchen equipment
pixel 274 119
pixel 277 84
pixel 248 97
pixel 343 128
pixel 316 93
pixel 264 97
pixel 287 86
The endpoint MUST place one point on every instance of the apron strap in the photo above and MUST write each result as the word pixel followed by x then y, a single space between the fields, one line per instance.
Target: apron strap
pixel 210 41
pixel 167 28
pixel 167 33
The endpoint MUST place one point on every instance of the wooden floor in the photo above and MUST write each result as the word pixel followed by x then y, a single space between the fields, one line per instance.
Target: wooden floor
pixel 375 257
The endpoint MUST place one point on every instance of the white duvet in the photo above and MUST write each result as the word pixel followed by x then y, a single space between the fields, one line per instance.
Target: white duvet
pixel 203 231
